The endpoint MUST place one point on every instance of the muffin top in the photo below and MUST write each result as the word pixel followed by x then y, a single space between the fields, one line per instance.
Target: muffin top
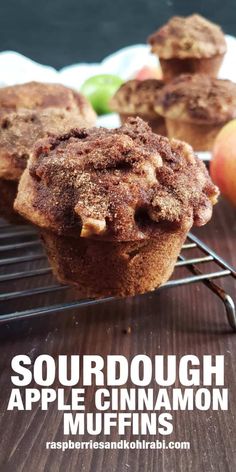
pixel 188 37
pixel 32 111
pixel 199 99
pixel 123 184
pixel 39 96
pixel 137 96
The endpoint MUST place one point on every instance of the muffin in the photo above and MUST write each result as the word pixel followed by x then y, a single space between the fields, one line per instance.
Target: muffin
pixel 29 112
pixel 189 44
pixel 137 98
pixel 196 107
pixel 114 206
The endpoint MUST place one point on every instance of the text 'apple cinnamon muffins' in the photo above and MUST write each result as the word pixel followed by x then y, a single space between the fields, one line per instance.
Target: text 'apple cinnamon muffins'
pixel 189 44
pixel 114 206
pixel 137 98
pixel 29 112
pixel 196 107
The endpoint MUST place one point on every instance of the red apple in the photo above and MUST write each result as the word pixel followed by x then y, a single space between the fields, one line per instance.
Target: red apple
pixel 149 73
pixel 223 164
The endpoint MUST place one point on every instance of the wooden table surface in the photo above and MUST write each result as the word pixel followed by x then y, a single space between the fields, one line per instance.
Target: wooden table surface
pixel 182 320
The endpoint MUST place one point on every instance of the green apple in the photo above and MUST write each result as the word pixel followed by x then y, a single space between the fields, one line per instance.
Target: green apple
pixel 99 89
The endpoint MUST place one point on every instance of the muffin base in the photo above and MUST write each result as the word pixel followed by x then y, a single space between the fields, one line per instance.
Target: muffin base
pixel 200 136
pixel 105 268
pixel 173 67
pixel 8 192
pixel 157 124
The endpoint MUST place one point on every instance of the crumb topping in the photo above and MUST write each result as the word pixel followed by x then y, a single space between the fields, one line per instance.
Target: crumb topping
pixel 39 96
pixel 137 96
pixel 188 37
pixel 123 184
pixel 32 111
pixel 198 98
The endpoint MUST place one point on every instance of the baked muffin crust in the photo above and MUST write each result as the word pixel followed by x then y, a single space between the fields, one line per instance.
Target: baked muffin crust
pixel 19 131
pixel 115 185
pixel 37 95
pixel 188 37
pixel 32 111
pixel 137 96
pixel 199 99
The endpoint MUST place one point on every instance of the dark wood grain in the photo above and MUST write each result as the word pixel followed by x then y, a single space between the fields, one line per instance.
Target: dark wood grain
pixel 184 320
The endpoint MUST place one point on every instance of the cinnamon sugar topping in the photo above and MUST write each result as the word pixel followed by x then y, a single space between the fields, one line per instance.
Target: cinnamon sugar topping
pixel 35 110
pixel 188 37
pixel 137 96
pixel 198 98
pixel 123 184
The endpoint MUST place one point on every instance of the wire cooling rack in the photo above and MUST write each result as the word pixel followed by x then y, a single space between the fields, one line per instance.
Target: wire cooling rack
pixel 28 288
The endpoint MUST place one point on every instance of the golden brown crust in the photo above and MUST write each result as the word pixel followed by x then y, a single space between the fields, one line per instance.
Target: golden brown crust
pixel 198 99
pixel 37 95
pixel 200 136
pixel 188 37
pixel 123 184
pixel 172 68
pixel 137 97
pixel 32 111
pixel 126 268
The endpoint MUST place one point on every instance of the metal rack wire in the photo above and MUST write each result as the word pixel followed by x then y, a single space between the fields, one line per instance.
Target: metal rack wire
pixel 21 247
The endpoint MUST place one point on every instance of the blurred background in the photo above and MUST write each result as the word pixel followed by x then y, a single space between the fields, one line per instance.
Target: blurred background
pixel 63 32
